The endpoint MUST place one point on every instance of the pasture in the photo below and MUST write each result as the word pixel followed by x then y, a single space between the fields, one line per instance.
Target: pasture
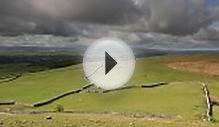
pixel 178 102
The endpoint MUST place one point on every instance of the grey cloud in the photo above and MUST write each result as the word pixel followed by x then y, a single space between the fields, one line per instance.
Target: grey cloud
pixel 178 17
pixel 73 17
pixel 208 33
pixel 98 11
pixel 134 39
pixel 54 16
pixel 38 41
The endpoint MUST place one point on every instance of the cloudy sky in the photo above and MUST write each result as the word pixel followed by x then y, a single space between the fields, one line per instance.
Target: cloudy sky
pixel 179 24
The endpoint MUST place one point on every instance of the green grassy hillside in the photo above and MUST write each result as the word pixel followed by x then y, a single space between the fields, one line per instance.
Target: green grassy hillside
pixel 182 97
pixel 35 87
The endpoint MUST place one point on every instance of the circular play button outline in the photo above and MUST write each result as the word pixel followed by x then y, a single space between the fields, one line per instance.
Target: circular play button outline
pixel 109 63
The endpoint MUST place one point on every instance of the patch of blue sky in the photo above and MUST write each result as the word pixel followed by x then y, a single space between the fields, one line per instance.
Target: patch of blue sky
pixel 215 25
pixel 212 3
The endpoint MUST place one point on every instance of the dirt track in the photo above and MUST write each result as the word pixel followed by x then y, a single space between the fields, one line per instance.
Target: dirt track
pixel 91 119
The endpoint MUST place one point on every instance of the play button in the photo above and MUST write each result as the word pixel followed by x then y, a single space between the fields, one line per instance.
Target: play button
pixel 108 63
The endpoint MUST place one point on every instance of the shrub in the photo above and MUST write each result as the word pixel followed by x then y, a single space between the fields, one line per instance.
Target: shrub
pixel 59 108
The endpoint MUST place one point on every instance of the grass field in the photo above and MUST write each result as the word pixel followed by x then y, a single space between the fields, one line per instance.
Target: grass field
pixel 35 87
pixel 182 98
